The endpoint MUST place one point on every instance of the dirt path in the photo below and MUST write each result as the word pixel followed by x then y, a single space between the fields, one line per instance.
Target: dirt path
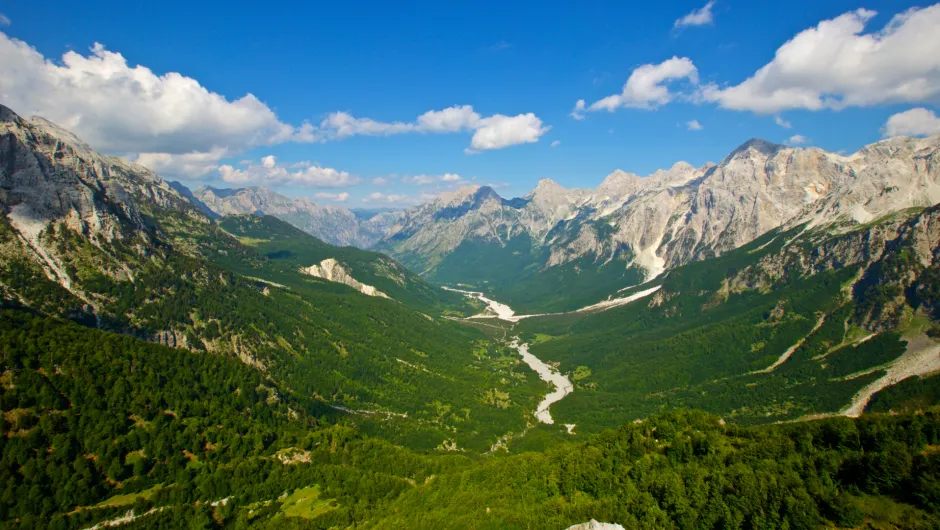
pixel 786 355
pixel 922 357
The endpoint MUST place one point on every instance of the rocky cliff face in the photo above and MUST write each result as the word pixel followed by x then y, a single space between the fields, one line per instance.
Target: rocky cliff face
pixel 337 226
pixel 50 178
pixel 683 214
pixel 334 271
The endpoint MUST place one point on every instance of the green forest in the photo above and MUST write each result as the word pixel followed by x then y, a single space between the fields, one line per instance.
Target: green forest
pixel 97 424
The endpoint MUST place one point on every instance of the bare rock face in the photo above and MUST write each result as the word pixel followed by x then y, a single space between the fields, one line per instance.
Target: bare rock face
pixel 682 214
pixel 334 271
pixel 594 525
pixel 47 176
pixel 337 226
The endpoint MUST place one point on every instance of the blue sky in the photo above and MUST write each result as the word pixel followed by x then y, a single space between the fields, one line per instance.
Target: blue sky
pixel 521 66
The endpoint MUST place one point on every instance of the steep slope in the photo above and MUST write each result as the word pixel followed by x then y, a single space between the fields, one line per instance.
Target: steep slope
pixel 104 429
pixel 108 243
pixel 335 225
pixel 289 249
pixel 801 321
pixel 630 228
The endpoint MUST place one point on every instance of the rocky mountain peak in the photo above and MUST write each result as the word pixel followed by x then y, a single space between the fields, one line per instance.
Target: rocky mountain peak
pixel 620 183
pixel 547 185
pixel 333 224
pixel 458 196
pixel 756 146
pixel 7 115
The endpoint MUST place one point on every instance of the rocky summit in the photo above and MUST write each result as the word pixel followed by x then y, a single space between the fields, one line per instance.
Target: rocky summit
pixel 335 225
pixel 671 217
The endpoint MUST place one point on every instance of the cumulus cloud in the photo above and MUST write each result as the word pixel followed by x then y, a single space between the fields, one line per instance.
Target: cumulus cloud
pixel 693 125
pixel 556 143
pixel 393 198
pixel 343 125
pixel 578 111
pixel 498 131
pixel 836 65
pixel 419 180
pixel 188 166
pixel 337 197
pixel 453 119
pixel 798 139
pixel 4 20
pixel 425 180
pixel 380 181
pixel 698 17
pixel 647 87
pixel 270 173
pixel 174 124
pixel 782 122
pixel 493 132
pixel 119 108
pixel 914 122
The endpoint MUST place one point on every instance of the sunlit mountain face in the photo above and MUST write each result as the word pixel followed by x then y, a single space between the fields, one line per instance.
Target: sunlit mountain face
pixel 383 272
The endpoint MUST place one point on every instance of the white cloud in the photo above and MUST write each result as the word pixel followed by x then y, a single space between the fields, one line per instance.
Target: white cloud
pixel 646 88
pixel 556 143
pixel 343 125
pixel 270 173
pixel 394 198
pixel 424 180
pixel 4 20
pixel 693 125
pixel 189 166
pixel 453 119
pixel 418 180
pixel 128 109
pixel 698 17
pixel 337 197
pixel 498 131
pixel 118 108
pixel 380 181
pixel 578 111
pixel 835 65
pixel 782 122
pixel 798 139
pixel 914 122
pixel 493 132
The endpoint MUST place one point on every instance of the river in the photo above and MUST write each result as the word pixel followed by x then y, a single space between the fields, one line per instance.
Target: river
pixel 547 373
pixel 563 385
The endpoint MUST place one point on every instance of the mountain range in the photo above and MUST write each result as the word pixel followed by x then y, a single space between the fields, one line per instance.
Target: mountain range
pixel 335 225
pixel 631 229
pixel 176 358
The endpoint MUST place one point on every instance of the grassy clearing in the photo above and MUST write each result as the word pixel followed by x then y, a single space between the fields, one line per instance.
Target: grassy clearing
pixel 306 503
pixel 128 498
pixel 884 513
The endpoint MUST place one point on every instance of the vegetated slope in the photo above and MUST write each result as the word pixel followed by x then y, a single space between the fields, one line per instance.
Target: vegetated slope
pixel 630 229
pixel 288 249
pixel 95 424
pixel 795 323
pixel 333 224
pixel 690 470
pixel 108 243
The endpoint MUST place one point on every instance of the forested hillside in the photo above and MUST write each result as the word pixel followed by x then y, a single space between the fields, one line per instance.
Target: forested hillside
pixel 288 249
pixel 127 253
pixel 796 323
pixel 97 424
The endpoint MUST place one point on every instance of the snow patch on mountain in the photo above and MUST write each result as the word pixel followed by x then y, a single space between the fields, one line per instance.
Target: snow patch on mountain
pixel 682 214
